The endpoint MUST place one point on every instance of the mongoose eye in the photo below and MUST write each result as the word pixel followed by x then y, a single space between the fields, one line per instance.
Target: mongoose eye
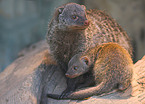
pixel 74 17
pixel 75 67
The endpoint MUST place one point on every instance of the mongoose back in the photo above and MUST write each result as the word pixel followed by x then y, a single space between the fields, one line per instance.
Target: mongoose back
pixel 74 29
pixel 111 65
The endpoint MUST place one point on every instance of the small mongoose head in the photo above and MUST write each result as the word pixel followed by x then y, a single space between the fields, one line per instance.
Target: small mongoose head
pixel 72 16
pixel 77 66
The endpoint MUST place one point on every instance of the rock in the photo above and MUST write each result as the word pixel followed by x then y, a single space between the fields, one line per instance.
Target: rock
pixel 34 74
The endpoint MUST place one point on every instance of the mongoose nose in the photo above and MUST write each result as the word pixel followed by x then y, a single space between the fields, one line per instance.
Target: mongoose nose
pixel 67 75
pixel 86 23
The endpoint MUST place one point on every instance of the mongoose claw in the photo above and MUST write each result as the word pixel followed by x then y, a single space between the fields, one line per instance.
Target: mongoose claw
pixel 65 95
pixel 62 95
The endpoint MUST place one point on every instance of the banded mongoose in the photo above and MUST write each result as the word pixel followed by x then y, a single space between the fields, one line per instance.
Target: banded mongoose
pixel 74 29
pixel 111 65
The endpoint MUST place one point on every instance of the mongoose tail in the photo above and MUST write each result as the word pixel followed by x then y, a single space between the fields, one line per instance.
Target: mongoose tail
pixel 85 93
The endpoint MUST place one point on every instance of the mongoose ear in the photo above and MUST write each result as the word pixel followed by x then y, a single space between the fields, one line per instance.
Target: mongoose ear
pixel 60 10
pixel 85 60
pixel 57 12
pixel 84 7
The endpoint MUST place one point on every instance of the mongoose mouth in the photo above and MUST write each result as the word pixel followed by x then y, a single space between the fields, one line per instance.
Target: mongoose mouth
pixel 70 76
pixel 86 23
pixel 78 27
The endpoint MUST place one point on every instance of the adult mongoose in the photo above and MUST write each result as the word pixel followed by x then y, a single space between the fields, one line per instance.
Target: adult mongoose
pixel 74 29
pixel 111 65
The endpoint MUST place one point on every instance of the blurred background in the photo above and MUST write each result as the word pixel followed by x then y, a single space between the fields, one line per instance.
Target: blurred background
pixel 24 22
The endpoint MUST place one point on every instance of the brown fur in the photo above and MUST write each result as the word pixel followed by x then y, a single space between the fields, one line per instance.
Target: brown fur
pixel 102 29
pixel 112 66
pixel 67 39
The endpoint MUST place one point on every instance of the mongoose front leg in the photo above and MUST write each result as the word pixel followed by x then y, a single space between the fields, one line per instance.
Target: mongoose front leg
pixel 82 81
pixel 71 86
pixel 88 82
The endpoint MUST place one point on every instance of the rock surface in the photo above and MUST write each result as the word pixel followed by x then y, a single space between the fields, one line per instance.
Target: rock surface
pixel 34 74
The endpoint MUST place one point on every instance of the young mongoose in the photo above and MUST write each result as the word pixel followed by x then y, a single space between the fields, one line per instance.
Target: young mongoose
pixel 111 65
pixel 74 29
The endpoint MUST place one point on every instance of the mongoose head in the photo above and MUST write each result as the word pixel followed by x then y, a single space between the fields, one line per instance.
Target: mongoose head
pixel 77 66
pixel 72 16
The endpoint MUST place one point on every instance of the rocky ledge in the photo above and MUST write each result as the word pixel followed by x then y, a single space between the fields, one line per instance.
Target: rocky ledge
pixel 34 74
